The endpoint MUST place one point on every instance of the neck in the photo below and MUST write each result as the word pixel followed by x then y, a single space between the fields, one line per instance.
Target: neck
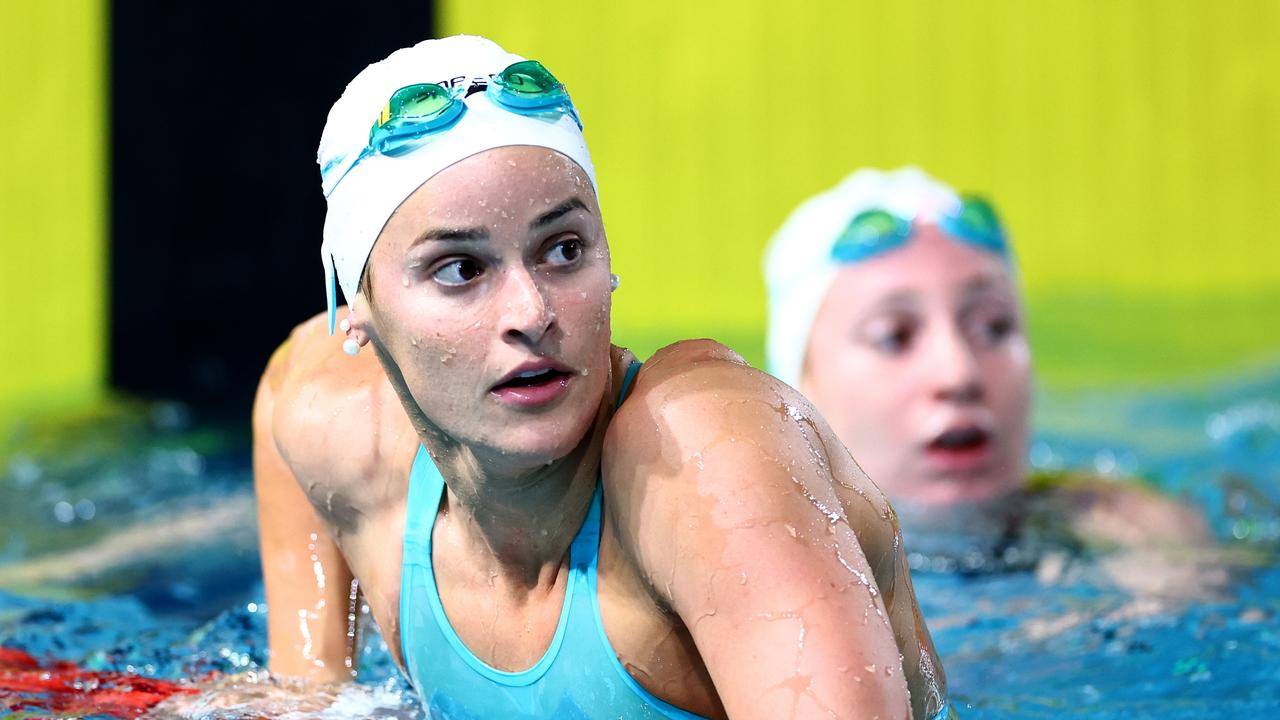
pixel 520 521
pixel 516 520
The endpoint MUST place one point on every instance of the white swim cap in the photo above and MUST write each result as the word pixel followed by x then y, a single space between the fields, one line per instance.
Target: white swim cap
pixel 363 196
pixel 798 265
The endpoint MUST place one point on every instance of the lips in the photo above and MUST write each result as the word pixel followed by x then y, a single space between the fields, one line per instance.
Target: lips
pixel 533 384
pixel 959 448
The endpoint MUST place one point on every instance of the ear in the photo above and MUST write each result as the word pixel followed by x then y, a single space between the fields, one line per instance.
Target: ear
pixel 357 326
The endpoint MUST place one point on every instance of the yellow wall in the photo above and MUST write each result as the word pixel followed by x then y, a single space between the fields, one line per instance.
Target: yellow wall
pixel 52 202
pixel 1133 146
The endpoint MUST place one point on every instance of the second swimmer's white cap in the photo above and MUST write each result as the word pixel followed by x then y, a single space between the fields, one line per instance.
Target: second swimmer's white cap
pixel 799 267
pixel 363 196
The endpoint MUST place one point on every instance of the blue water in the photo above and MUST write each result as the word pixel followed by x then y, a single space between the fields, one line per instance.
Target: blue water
pixel 135 590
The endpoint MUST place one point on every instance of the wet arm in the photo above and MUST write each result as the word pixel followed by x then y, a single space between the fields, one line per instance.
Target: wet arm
pixel 747 543
pixel 307 581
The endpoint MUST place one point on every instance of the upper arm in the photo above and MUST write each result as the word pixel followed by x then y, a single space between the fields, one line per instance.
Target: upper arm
pixel 307 581
pixel 737 527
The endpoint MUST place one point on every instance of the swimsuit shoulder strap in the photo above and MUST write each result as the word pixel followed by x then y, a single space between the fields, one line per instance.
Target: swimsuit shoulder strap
pixel 425 488
pixel 632 369
pixel 586 543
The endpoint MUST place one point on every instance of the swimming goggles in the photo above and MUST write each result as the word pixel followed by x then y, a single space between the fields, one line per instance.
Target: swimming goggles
pixel 875 231
pixel 415 113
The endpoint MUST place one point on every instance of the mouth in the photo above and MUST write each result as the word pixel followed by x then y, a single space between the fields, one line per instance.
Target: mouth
pixel 960 439
pixel 959 449
pixel 533 384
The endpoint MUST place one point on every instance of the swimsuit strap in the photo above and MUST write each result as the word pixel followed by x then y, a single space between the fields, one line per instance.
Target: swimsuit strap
pixel 586 544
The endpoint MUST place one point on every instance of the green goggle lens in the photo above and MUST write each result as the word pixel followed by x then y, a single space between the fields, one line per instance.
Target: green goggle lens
pixel 977 224
pixel 529 77
pixel 529 87
pixel 419 101
pixel 413 112
pixel 869 233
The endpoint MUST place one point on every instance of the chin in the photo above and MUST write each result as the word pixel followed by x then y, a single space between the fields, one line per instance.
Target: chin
pixel 952 490
pixel 533 441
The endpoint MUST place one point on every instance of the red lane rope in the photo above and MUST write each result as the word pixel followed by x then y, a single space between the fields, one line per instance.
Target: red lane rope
pixel 63 688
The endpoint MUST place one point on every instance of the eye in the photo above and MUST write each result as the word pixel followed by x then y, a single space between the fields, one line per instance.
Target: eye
pixel 455 273
pixel 564 253
pixel 892 338
pixel 996 328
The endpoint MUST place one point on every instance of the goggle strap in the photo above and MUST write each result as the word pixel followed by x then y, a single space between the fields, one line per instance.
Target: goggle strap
pixel 330 286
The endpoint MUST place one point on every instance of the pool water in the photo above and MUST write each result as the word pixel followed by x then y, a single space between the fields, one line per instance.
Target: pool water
pixel 128 550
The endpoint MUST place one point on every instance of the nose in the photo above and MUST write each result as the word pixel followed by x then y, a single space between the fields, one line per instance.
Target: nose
pixel 956 375
pixel 527 317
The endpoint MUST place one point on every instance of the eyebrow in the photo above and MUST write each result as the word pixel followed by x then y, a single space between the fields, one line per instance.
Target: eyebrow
pixel 983 285
pixel 558 212
pixel 452 234
pixel 481 234
pixel 897 300
pixel 985 289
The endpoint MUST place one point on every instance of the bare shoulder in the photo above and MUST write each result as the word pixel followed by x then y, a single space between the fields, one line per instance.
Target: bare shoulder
pixel 736 506
pixel 679 378
pixel 334 418
pixel 1111 513
pixel 699 391
pixel 703 418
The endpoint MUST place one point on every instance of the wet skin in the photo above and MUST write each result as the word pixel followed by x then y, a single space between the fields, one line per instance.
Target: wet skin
pixel 747 567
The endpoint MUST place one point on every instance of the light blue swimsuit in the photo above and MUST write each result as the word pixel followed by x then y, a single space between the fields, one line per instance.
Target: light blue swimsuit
pixel 579 677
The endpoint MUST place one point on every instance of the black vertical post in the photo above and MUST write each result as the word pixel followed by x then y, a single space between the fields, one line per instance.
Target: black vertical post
pixel 216 209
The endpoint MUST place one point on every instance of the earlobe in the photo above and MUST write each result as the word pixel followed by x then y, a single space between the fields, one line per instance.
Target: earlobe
pixel 356 337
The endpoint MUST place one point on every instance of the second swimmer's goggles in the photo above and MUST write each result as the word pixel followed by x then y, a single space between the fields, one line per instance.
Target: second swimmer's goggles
pixel 875 231
pixel 415 113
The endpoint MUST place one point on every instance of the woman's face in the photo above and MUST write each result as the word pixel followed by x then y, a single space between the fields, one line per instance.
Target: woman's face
pixel 919 361
pixel 490 296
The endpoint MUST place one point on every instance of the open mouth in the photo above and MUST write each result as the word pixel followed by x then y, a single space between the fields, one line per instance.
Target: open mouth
pixel 962 449
pixel 961 439
pixel 533 379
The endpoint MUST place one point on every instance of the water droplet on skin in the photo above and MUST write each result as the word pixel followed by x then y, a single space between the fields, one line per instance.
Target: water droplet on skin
pixel 405 281
pixel 742 578
pixel 870 668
